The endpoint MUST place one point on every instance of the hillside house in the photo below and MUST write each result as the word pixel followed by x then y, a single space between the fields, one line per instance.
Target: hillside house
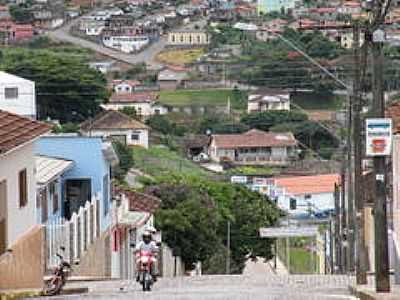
pixel 125 86
pixel 17 95
pixel 261 101
pixel 305 196
pixel 116 126
pixel 254 147
pixel 188 38
pixel 145 103
pixel 170 79
pixel 126 43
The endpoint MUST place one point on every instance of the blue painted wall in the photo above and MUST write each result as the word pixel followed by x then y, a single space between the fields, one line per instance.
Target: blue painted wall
pixel 89 162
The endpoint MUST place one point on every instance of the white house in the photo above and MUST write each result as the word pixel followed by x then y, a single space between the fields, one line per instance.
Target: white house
pixel 17 176
pixel 124 86
pixel 145 103
pixel 261 101
pixel 254 147
pixel 305 196
pixel 117 126
pixel 126 43
pixel 17 95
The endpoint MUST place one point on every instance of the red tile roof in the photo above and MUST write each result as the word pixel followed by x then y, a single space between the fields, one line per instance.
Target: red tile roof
pixel 317 184
pixel 16 131
pixel 111 119
pixel 133 97
pixel 139 201
pixel 254 138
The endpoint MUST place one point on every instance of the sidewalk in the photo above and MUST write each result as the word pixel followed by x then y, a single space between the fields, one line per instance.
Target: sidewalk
pixel 368 293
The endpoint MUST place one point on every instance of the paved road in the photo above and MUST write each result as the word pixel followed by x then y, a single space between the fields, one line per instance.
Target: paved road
pixel 245 287
pixel 147 55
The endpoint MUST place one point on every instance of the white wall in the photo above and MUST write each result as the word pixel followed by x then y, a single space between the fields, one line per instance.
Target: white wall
pixel 126 44
pixel 25 103
pixel 143 109
pixel 143 136
pixel 322 201
pixel 19 220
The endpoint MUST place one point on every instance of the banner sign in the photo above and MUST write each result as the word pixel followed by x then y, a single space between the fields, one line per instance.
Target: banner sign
pixel 290 231
pixel 378 137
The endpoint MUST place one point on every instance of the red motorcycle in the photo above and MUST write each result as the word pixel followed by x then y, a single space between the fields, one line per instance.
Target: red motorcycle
pixel 145 276
pixel 54 285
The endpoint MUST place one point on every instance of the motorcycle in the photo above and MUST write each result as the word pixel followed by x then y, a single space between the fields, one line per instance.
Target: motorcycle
pixel 145 276
pixel 54 285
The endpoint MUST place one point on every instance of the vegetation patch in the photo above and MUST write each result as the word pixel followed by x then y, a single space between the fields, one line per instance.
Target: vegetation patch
pixel 180 57
pixel 158 161
pixel 212 97
pixel 314 101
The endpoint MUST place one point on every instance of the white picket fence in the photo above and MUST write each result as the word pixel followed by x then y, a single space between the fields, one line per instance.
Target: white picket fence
pixel 75 235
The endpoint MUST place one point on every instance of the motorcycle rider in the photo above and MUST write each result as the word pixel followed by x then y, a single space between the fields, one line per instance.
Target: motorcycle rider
pixel 147 244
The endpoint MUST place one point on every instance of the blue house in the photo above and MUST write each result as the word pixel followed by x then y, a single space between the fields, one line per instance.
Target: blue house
pixel 49 172
pixel 90 175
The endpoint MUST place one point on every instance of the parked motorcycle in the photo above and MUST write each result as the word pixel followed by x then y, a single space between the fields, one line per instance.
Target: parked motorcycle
pixel 54 285
pixel 146 259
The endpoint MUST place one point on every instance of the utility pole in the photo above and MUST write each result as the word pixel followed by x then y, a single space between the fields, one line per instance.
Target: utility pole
pixel 361 264
pixel 228 250
pixel 343 221
pixel 382 276
pixel 338 237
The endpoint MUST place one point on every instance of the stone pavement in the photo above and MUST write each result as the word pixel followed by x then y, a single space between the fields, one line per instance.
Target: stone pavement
pixel 222 287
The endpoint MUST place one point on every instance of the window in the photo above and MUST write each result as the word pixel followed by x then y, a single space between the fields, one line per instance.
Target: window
pixel 135 137
pixel 293 203
pixel 139 111
pixel 157 111
pixel 23 188
pixel 307 196
pixel 173 38
pixel 11 93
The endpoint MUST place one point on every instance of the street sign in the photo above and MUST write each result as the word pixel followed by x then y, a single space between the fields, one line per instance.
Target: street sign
pixel 281 232
pixel 378 137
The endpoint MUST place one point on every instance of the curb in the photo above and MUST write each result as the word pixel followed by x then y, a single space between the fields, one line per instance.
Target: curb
pixel 372 295
pixel 29 294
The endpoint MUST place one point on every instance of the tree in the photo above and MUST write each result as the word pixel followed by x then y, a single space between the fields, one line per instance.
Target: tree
pixel 162 124
pixel 64 81
pixel 21 14
pixel 125 160
pixel 129 111
pixel 266 120
pixel 194 215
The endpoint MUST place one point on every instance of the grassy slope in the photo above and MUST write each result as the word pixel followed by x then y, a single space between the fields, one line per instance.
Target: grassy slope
pixel 180 57
pixel 157 161
pixel 196 97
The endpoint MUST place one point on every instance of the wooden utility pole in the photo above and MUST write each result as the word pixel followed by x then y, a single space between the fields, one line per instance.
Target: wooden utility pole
pixel 350 191
pixel 382 276
pixel 228 249
pixel 343 222
pixel 338 235
pixel 361 264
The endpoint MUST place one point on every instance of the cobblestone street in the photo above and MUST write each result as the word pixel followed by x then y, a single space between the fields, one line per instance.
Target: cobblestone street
pixel 302 287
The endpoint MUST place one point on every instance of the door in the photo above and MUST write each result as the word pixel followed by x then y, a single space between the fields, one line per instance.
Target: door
pixel 78 191
pixel 44 204
pixel 3 216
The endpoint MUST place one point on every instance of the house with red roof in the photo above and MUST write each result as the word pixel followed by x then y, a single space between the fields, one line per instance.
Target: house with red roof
pixel 254 147
pixel 144 103
pixel 20 237
pixel 305 196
